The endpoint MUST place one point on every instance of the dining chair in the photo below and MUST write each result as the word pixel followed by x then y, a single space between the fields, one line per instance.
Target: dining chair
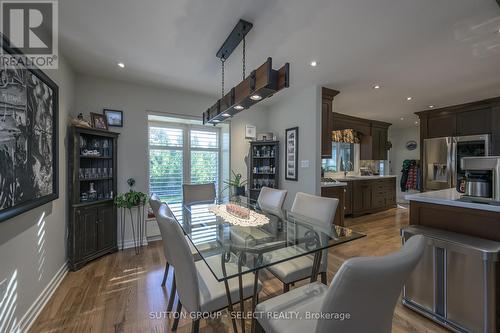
pixel 198 192
pixel 365 289
pixel 197 288
pixel 155 203
pixel 271 200
pixel 319 211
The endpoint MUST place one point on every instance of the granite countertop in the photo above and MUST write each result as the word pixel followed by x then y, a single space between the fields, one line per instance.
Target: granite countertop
pixel 333 184
pixel 449 197
pixel 341 181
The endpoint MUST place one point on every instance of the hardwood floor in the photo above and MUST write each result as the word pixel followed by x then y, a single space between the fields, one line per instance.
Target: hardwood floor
pixel 121 292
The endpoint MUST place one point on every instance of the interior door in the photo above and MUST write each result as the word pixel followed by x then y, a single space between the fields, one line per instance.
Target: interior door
pixel 438 163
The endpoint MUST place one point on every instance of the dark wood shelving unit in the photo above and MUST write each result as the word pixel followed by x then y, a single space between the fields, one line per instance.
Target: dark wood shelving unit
pixel 92 229
pixel 264 166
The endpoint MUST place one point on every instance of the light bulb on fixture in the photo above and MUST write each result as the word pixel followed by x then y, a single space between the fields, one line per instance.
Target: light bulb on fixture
pixel 313 63
pixel 216 121
pixel 226 115
pixel 409 98
pixel 376 86
pixel 121 65
pixel 431 106
pixel 255 97
pixel 238 107
pixel 402 118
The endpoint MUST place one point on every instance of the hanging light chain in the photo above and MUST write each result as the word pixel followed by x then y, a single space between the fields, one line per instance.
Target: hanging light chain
pixel 244 58
pixel 222 61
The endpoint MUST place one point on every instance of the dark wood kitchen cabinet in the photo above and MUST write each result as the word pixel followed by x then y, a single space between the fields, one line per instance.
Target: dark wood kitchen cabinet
pixel 337 192
pixel 92 163
pixel 373 135
pixel 327 96
pixel 474 122
pixel 372 195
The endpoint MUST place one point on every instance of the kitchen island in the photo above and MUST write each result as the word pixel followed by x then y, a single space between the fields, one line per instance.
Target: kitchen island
pixel 443 210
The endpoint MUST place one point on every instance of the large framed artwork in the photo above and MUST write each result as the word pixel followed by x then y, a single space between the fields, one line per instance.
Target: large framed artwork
pixel 291 153
pixel 28 136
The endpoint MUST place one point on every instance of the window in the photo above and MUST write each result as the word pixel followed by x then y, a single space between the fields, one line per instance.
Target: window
pixel 342 153
pixel 182 153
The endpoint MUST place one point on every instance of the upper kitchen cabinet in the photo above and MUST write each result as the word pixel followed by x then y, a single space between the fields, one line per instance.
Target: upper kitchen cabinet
pixel 327 96
pixel 475 118
pixel 373 135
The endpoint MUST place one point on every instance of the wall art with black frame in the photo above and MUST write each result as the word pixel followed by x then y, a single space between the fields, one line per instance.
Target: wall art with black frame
pixel 291 153
pixel 28 136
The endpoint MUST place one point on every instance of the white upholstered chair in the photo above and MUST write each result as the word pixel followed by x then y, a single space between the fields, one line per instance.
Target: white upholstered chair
pixel 367 289
pixel 271 200
pixel 197 287
pixel 198 192
pixel 320 212
pixel 155 203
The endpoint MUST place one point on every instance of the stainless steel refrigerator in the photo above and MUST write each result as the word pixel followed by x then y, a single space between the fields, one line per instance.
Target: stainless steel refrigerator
pixel 441 165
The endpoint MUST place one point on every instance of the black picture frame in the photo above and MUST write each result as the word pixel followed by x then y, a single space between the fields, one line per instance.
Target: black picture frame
pixel 292 153
pixel 27 204
pixel 108 112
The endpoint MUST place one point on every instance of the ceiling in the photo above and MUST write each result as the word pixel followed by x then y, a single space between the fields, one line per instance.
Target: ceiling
pixel 440 52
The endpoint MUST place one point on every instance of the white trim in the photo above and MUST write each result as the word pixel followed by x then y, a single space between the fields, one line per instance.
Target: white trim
pixel 128 243
pixel 34 310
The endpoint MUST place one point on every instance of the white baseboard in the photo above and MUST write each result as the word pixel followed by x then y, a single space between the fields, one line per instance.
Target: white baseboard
pixel 34 310
pixel 128 243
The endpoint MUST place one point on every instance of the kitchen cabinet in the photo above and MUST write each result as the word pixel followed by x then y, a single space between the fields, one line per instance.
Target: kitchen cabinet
pixel 371 195
pixel 348 199
pixel 441 125
pixel 474 122
pixel 374 135
pixel 337 192
pixel 327 96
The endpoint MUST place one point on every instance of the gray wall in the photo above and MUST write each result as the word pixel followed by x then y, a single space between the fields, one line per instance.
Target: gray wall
pixel 33 245
pixel 302 109
pixel 398 153
pixel 93 94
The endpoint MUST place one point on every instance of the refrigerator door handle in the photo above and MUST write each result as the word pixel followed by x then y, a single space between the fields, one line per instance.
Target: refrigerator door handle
pixel 453 169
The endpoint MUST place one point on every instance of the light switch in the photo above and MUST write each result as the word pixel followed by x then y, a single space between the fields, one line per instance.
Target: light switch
pixel 304 164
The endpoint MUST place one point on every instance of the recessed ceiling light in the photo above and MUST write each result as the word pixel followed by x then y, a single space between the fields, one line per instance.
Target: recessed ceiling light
pixel 238 107
pixel 255 97
pixel 498 31
pixel 376 86
pixel 226 115
pixel 402 118
pixel 431 106
pixel 121 65
pixel 409 98
pixel 313 63
pixel 416 123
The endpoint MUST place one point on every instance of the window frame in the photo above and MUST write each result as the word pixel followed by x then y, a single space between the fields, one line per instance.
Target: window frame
pixel 186 149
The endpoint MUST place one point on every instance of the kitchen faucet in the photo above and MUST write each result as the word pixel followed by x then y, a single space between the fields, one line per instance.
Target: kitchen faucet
pixel 348 166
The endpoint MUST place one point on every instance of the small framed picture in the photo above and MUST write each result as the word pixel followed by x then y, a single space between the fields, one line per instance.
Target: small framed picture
pixel 291 153
pixel 98 121
pixel 250 132
pixel 114 117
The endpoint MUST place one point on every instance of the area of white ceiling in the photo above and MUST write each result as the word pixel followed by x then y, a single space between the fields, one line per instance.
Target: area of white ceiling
pixel 440 52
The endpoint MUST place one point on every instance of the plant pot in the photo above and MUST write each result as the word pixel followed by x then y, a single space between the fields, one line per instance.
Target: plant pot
pixel 239 190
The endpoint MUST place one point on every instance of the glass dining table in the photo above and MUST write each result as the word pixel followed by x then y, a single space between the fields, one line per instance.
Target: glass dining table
pixel 236 237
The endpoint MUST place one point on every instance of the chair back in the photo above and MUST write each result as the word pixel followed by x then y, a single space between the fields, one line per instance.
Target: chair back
pixel 186 275
pixel 318 209
pixel 198 192
pixel 368 289
pixel 271 200
pixel 155 203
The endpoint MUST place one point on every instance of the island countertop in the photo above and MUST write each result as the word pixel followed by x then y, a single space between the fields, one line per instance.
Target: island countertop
pixel 449 197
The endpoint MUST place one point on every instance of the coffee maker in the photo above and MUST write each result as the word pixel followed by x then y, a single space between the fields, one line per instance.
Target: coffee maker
pixel 482 179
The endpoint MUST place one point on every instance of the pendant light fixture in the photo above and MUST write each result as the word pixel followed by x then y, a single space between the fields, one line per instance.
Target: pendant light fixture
pixel 260 84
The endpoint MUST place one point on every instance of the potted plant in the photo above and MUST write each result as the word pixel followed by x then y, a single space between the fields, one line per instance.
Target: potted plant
pixel 131 198
pixel 236 185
